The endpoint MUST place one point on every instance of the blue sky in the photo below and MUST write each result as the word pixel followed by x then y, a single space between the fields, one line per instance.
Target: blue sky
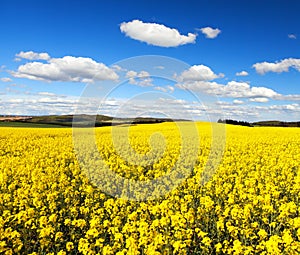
pixel 51 50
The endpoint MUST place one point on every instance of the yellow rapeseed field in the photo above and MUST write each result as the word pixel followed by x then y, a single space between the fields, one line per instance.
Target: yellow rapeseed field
pixel 49 204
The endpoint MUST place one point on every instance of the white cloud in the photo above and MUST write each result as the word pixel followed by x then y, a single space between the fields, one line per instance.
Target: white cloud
pixel 198 73
pixel 156 34
pixel 117 68
pixel 143 74
pixel 242 73
pixel 170 88
pixel 232 89
pixel 292 36
pixel 259 99
pixel 163 89
pixel 172 107
pixel 286 108
pixel 45 93
pixel 68 68
pixel 33 55
pixel 166 89
pixel 209 32
pixel 145 82
pixel 277 67
pixel 294 97
pixel 131 75
pixel 236 101
pixel 141 78
pixel 263 92
pixel 6 79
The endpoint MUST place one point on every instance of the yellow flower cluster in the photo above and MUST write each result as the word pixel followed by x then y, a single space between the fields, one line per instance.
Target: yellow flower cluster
pixel 251 205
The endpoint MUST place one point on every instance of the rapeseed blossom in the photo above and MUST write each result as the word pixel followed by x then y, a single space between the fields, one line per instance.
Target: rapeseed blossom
pixel 49 205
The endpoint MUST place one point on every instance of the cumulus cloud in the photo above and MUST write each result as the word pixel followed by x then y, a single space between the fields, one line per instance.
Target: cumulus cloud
pixel 131 75
pixel 68 68
pixel 118 68
pixel 209 32
pixel 156 34
pixel 32 55
pixel 242 73
pixel 6 79
pixel 166 89
pixel 232 89
pixel 259 99
pixel 237 101
pixel 141 78
pixel 292 36
pixel 277 67
pixel 170 88
pixel 198 73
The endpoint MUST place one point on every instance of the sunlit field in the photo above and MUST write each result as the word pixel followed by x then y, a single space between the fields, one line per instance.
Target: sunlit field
pixel 251 205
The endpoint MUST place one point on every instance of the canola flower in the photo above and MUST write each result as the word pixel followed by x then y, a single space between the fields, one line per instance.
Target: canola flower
pixel 48 204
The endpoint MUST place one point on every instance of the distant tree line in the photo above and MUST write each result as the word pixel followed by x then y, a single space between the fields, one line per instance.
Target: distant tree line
pixel 277 124
pixel 235 122
pixel 261 123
